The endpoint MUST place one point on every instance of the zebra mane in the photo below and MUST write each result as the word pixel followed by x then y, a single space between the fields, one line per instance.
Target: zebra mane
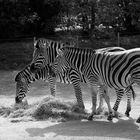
pixel 75 50
pixel 17 77
pixel 46 43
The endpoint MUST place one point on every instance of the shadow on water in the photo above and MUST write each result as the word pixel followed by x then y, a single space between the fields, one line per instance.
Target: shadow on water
pixel 121 129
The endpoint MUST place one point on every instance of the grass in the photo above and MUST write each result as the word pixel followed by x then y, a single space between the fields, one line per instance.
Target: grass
pixel 48 108
pixel 15 55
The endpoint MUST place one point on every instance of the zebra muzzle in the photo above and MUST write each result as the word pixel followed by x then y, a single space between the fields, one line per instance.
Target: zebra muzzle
pixel 18 100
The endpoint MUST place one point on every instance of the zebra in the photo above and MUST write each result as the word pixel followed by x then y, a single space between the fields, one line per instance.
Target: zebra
pixel 117 70
pixel 25 77
pixel 40 55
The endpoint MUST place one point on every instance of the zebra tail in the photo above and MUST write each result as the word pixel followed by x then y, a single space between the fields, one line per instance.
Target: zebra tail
pixel 133 92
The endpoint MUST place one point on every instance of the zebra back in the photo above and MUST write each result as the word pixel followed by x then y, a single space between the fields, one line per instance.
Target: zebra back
pixel 111 49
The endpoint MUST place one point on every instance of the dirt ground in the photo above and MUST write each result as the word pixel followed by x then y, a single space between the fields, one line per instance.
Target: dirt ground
pixel 98 129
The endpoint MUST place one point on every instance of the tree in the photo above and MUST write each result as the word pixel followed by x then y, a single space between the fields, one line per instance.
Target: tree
pixel 48 11
pixel 131 14
pixel 10 15
pixel 120 14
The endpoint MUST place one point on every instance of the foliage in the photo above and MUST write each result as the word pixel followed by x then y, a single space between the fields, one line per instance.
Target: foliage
pixel 48 12
pixel 28 18
pixel 131 14
pixel 10 13
pixel 124 14
pixel 107 13
pixel 117 16
pixel 75 16
pixel 41 17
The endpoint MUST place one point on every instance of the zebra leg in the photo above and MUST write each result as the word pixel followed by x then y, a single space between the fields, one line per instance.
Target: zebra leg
pixel 107 99
pixel 94 100
pixel 104 91
pixel 119 93
pixel 75 79
pixel 100 108
pixel 52 85
pixel 128 109
pixel 78 94
pixel 130 93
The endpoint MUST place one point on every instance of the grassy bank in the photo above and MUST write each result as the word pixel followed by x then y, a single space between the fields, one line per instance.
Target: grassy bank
pixel 15 55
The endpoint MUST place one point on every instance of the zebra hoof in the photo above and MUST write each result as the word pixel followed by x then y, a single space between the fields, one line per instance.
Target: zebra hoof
pixel 138 120
pixel 110 117
pixel 127 114
pixel 90 117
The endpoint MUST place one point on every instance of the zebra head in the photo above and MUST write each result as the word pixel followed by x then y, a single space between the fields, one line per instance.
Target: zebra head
pixel 21 88
pixel 45 52
pixel 25 77
pixel 38 54
pixel 22 79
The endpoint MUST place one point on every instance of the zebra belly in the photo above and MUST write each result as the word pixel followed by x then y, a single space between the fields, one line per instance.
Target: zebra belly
pixel 62 78
pixel 65 79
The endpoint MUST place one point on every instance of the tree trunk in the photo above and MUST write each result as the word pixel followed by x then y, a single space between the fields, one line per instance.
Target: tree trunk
pixel 93 10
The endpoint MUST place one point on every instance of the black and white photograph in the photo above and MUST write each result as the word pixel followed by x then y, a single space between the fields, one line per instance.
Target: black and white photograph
pixel 69 69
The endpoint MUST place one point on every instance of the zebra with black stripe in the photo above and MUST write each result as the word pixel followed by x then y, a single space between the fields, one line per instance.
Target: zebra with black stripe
pixel 25 77
pixel 51 50
pixel 117 70
pixel 41 56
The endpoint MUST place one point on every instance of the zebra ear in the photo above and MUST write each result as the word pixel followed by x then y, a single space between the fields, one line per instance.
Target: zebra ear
pixel 23 80
pixel 48 43
pixel 35 42
pixel 44 44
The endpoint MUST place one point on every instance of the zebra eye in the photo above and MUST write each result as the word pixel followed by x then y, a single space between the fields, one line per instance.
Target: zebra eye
pixel 23 80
